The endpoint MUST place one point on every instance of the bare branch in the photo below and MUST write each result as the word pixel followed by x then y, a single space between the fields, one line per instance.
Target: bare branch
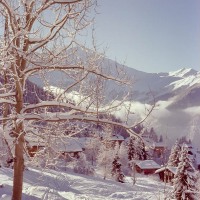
pixel 7 101
pixel 46 104
pixel 7 95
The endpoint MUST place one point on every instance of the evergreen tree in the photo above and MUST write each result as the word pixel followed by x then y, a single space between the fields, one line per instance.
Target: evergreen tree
pixel 141 152
pixel 185 178
pixel 116 170
pixel 174 155
pixel 136 149
pixel 132 149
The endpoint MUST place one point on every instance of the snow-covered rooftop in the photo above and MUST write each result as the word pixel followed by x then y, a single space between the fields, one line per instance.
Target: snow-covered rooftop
pixel 68 145
pixel 62 144
pixel 35 140
pixel 171 169
pixel 147 164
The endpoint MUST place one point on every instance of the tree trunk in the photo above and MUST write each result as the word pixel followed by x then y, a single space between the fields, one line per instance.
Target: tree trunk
pixel 19 146
pixel 18 168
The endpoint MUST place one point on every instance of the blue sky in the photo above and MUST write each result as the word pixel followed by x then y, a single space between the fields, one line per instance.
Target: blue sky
pixel 150 35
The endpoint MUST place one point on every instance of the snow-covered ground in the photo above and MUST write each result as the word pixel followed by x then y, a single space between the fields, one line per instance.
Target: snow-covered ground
pixel 57 185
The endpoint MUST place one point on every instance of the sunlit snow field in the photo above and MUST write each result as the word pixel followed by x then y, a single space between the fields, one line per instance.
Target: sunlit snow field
pixel 55 185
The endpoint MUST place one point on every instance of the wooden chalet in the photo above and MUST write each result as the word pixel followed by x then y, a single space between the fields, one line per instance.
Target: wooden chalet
pixel 166 173
pixel 63 145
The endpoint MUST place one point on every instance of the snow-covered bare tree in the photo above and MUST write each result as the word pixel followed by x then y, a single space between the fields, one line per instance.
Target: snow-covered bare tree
pixel 92 149
pixel 82 166
pixel 174 157
pixel 104 159
pixel 185 179
pixel 106 152
pixel 39 37
pixel 123 156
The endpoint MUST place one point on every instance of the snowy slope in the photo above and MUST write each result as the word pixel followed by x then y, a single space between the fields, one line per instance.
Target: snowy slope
pixel 54 185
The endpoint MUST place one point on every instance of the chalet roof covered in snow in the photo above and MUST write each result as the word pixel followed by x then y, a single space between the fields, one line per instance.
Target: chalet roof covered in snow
pixel 60 144
pixel 68 145
pixel 171 169
pixel 34 140
pixel 147 164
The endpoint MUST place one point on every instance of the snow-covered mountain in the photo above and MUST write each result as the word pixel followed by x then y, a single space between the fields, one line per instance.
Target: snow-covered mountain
pixel 177 96
pixel 181 85
pixel 184 72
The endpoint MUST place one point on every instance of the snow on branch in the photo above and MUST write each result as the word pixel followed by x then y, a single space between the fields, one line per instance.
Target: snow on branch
pixel 36 69
pixel 66 2
pixel 58 117
pixel 45 104
pixel 7 101
pixel 7 95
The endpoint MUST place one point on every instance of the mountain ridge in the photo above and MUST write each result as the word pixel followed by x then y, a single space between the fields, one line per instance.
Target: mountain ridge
pixel 176 95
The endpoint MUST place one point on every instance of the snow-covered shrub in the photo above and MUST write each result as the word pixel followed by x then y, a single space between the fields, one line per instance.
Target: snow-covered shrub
pixel 82 166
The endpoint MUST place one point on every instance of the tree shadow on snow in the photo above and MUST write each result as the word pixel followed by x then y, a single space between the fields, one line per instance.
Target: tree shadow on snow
pixel 53 180
pixel 45 183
